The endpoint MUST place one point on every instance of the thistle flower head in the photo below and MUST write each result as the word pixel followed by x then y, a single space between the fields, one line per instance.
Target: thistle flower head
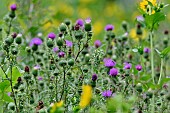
pixel 138 67
pixel 88 21
pixel 109 62
pixel 113 72
pixel 107 93
pixel 97 43
pixel 40 78
pixel 94 77
pixel 127 65
pixel 109 27
pixel 13 7
pixel 61 54
pixel 51 35
pixel 35 41
pixel 140 18
pixel 56 49
pixel 146 50
pixel 80 22
pixel 68 43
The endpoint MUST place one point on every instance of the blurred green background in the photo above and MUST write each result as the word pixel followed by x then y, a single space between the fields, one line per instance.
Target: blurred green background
pixel 46 15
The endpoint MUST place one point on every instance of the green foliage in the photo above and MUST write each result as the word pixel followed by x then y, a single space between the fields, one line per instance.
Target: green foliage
pixel 5 85
pixel 15 74
pixel 165 52
pixel 120 104
pixel 152 21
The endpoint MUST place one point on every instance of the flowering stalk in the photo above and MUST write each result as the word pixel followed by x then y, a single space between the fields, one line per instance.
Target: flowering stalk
pixel 64 80
pixel 161 71
pixel 56 88
pixel 15 101
pixel 82 48
pixel 152 57
pixel 152 70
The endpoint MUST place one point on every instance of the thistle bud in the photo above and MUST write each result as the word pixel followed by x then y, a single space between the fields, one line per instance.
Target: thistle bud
pixel 71 62
pixel 166 32
pixel 50 43
pixel 9 41
pixel 63 27
pixel 12 14
pixel 139 87
pixel 78 35
pixel 11 106
pixel 14 35
pixel 62 63
pixel 124 25
pixel 60 42
pixel 18 40
pixel 14 51
pixel 28 49
pixel 27 69
pixel 34 47
pixel 88 27
pixel 67 22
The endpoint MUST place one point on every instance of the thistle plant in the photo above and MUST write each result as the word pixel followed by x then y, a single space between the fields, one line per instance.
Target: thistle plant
pixel 64 70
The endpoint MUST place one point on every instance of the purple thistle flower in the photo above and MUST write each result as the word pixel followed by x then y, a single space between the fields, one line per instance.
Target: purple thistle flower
pixel 113 72
pixel 97 43
pixel 61 54
pixel 165 86
pixel 146 50
pixel 68 43
pixel 51 35
pixel 13 7
pixel 138 67
pixel 127 65
pixel 80 22
pixel 107 93
pixel 40 78
pixel 9 93
pixel 109 62
pixel 140 18
pixel 125 34
pixel 37 67
pixel 88 21
pixel 109 27
pixel 35 41
pixel 94 77
pixel 55 49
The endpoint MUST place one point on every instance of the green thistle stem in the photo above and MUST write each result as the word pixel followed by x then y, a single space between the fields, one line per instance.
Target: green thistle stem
pixel 161 71
pixel 152 57
pixel 152 70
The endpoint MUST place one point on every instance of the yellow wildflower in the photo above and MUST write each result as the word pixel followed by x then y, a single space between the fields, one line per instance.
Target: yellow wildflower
pixel 55 106
pixel 136 37
pixel 85 96
pixel 98 26
pixel 86 1
pixel 84 12
pixel 144 5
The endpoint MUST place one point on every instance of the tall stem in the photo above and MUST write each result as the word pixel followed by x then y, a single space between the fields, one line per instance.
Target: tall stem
pixel 63 90
pixel 152 70
pixel 161 71
pixel 56 92
pixel 15 101
pixel 152 57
